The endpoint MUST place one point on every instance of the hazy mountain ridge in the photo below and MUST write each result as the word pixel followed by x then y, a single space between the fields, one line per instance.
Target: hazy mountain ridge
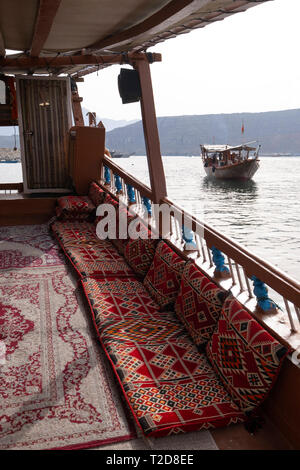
pixel 7 139
pixel 276 131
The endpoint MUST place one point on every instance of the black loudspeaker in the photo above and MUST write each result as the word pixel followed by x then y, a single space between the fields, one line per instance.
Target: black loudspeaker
pixel 129 86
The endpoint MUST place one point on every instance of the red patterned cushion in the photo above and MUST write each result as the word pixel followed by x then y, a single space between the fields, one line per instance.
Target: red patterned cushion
pixel 199 304
pixel 108 200
pixel 245 356
pixel 143 330
pixel 176 361
pixel 169 385
pixel 139 253
pixel 74 207
pixel 121 243
pixel 172 407
pixel 101 259
pixel 164 275
pixel 75 233
pixel 96 194
pixel 117 298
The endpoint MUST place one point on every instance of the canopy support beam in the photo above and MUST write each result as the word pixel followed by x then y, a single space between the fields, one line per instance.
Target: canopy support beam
pixel 46 14
pixel 155 164
pixel 47 63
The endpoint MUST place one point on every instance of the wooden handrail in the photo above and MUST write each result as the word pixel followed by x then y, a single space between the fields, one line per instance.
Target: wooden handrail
pixel 142 188
pixel 274 278
pixel 253 265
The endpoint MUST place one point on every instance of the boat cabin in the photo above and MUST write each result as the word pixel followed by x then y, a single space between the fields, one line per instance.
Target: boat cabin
pixel 105 338
pixel 223 155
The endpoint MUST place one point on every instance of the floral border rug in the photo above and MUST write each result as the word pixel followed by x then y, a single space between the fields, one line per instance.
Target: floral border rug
pixel 56 390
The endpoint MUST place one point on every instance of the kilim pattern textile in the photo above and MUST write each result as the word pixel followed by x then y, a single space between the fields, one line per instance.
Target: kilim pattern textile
pixel 244 355
pixel 89 255
pixel 96 194
pixel 73 207
pixel 118 299
pixel 170 387
pixel 182 406
pixel 56 390
pixel 119 242
pixel 199 304
pixel 115 204
pixel 75 233
pixel 142 330
pixel 139 253
pixel 164 276
pixel 101 259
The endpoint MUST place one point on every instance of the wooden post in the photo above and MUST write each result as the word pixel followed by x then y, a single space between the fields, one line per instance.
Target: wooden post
pixel 77 111
pixel 155 164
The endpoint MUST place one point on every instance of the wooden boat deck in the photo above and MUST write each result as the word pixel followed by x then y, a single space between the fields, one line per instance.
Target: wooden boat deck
pixel 234 437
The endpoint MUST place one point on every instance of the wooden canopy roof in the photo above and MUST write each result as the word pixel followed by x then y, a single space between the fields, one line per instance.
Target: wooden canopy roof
pixel 70 29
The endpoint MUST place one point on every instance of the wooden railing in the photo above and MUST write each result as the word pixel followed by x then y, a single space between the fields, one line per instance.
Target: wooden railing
pixel 253 281
pixel 11 188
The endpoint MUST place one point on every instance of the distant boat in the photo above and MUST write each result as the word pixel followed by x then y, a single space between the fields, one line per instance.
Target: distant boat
pixel 230 162
pixel 116 154
pixel 9 161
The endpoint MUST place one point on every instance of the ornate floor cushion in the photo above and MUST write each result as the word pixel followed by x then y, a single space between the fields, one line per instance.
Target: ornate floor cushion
pixel 139 253
pixel 169 386
pixel 109 200
pixel 75 207
pixel 75 233
pixel 96 194
pixel 101 259
pixel 118 298
pixel 119 242
pixel 199 304
pixel 158 362
pixel 164 275
pixel 244 355
pixel 143 330
pixel 176 406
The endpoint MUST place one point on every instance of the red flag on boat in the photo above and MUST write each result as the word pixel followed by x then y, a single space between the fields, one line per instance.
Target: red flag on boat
pixel 243 128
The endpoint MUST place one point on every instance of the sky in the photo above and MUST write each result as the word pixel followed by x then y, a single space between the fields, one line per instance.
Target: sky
pixel 248 62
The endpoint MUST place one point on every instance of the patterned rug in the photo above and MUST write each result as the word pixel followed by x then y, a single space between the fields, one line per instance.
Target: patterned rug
pixel 55 388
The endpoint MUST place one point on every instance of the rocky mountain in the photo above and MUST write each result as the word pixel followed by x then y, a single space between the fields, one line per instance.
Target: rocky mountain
pixel 276 131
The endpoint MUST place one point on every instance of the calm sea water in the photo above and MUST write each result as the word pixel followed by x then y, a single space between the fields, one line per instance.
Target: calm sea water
pixel 262 214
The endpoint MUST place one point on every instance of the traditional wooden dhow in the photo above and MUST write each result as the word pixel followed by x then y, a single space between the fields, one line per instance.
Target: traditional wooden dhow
pixel 226 162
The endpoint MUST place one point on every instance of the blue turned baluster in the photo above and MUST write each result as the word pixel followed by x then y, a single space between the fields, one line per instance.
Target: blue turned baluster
pixel 131 194
pixel 219 262
pixel 261 292
pixel 188 237
pixel 147 204
pixel 118 184
pixel 107 175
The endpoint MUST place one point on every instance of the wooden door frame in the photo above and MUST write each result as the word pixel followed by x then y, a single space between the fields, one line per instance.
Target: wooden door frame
pixel 28 190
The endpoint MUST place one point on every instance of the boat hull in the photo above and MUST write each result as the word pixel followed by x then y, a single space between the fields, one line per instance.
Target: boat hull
pixel 242 171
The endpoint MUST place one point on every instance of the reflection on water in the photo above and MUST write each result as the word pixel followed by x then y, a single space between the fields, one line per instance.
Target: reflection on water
pixel 262 214
pixel 239 187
